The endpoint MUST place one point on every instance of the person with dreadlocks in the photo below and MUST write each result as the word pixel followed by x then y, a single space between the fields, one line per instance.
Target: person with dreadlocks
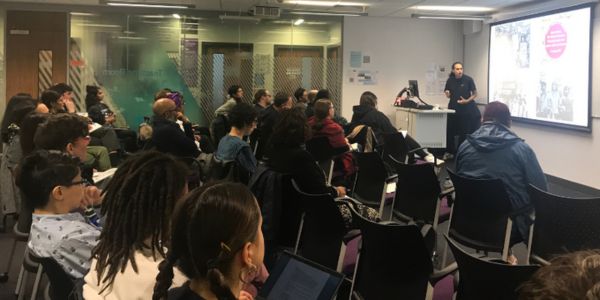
pixel 216 241
pixel 143 192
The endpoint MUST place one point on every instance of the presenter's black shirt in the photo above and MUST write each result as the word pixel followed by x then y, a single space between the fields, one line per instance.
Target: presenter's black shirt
pixel 458 87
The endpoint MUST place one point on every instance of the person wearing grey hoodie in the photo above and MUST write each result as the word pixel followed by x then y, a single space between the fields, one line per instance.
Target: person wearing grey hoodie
pixel 494 151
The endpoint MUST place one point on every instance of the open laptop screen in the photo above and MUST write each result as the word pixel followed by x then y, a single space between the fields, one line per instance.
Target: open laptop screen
pixel 295 278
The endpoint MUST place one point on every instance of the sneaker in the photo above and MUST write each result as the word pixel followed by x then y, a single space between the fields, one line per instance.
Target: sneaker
pixel 448 156
pixel 431 159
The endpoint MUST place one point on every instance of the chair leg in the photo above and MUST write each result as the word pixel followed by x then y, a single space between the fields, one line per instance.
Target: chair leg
pixel 299 234
pixel 36 283
pixel 355 270
pixel 506 247
pixel 4 276
pixel 340 263
pixel 20 292
pixel 530 239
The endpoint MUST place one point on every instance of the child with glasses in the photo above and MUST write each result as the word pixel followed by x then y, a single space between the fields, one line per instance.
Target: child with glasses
pixel 51 183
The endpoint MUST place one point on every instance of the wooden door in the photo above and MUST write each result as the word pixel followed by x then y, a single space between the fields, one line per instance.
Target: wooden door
pixel 334 76
pixel 298 66
pixel 28 33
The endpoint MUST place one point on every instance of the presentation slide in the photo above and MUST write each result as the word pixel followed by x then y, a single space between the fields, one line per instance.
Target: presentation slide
pixel 540 67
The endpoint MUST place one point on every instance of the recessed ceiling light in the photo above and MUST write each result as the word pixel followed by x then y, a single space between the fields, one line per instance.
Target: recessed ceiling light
pixel 298 22
pixel 452 8
pixel 176 16
pixel 146 5
pixel 325 3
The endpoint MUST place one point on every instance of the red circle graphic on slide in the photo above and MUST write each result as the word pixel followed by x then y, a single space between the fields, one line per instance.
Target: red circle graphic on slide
pixel 556 40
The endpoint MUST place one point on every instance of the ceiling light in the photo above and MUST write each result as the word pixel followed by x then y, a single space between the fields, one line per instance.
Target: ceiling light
pixel 82 14
pixel 298 22
pixel 325 3
pixel 451 8
pixel 322 13
pixel 239 18
pixel 450 17
pixel 157 5
pixel 176 16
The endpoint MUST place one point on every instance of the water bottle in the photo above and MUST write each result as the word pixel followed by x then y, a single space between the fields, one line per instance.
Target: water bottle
pixel 92 217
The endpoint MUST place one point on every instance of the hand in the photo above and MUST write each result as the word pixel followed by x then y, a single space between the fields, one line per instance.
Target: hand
pixel 447 93
pixel 197 137
pixel 92 196
pixel 181 117
pixel 245 296
pixel 462 101
pixel 70 106
pixel 341 191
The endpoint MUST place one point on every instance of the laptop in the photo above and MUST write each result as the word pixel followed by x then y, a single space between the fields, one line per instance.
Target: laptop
pixel 296 278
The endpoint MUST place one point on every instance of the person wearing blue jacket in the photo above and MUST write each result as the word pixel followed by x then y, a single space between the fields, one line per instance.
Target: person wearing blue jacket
pixel 494 151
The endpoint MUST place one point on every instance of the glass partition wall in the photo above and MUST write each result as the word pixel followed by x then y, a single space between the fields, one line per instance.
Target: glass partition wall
pixel 134 55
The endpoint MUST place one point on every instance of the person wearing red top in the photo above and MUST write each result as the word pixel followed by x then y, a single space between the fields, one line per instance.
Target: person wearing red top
pixel 323 125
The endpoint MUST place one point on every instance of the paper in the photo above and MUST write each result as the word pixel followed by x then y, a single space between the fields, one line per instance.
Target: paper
pixel 355 59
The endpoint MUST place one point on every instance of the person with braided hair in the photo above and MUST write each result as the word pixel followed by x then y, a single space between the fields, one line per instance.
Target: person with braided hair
pixel 216 241
pixel 142 193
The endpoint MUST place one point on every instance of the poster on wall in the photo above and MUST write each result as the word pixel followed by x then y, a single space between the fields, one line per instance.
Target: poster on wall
pixel 189 61
pixel 362 77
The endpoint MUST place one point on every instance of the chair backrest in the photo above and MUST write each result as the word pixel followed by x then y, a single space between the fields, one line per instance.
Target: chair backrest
pixel 417 191
pixel 61 284
pixel 484 279
pixel 563 224
pixel 395 146
pixel 370 179
pixel 319 148
pixel 364 136
pixel 480 213
pixel 394 262
pixel 323 228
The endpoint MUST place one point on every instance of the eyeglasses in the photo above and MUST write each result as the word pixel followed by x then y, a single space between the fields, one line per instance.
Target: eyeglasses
pixel 83 181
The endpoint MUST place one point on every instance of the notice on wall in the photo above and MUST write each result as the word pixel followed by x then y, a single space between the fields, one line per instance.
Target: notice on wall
pixel 356 59
pixel 362 77
pixel 435 77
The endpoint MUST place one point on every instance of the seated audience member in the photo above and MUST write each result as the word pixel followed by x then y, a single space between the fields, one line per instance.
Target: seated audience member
pixel 53 102
pixel 163 93
pixel 571 276
pixel 65 92
pixel 52 184
pixel 268 118
pixel 216 241
pixel 366 113
pixel 17 108
pixel 220 126
pixel 287 155
pixel 143 191
pixel 262 99
pixel 301 95
pixel 167 136
pixel 323 125
pixel 94 96
pixel 232 147
pixel 494 151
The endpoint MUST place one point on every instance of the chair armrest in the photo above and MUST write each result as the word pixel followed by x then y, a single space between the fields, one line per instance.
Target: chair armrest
pixel 352 234
pixel 391 177
pixel 446 192
pixel 416 149
pixel 520 211
pixel 438 275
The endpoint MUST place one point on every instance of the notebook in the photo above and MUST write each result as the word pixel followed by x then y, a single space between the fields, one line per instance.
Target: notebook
pixel 295 278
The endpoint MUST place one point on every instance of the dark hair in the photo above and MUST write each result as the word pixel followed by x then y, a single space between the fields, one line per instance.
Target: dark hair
pixel 61 88
pixel 291 130
pixel 143 191
pixel 17 108
pixel 321 110
pixel 162 94
pixel 43 170
pixel 497 111
pixel 233 90
pixel 452 68
pixel 60 130
pixel 242 114
pixel 49 98
pixel 98 113
pixel 571 276
pixel 259 94
pixel 210 226
pixel 322 94
pixel 29 127
pixel 281 98
pixel 298 93
pixel 369 99
pixel 91 98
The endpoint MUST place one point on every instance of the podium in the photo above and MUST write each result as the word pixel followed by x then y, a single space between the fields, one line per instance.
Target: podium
pixel 428 127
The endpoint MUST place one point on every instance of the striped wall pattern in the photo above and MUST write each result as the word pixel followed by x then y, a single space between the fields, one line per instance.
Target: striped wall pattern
pixel 44 70
pixel 75 79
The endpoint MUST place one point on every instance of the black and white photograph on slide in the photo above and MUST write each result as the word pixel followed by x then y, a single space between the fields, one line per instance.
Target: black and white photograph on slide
pixel 539 67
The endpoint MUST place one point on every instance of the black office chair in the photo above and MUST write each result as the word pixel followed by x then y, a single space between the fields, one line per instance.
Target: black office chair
pixel 486 279
pixel 62 286
pixel 372 180
pixel 393 262
pixel 562 224
pixel 418 194
pixel 481 214
pixel 394 145
pixel 323 153
pixel 323 230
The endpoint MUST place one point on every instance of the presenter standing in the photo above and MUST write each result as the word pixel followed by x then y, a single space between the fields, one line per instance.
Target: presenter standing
pixel 461 91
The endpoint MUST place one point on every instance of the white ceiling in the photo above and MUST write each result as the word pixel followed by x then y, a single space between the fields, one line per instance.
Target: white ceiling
pixel 379 8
